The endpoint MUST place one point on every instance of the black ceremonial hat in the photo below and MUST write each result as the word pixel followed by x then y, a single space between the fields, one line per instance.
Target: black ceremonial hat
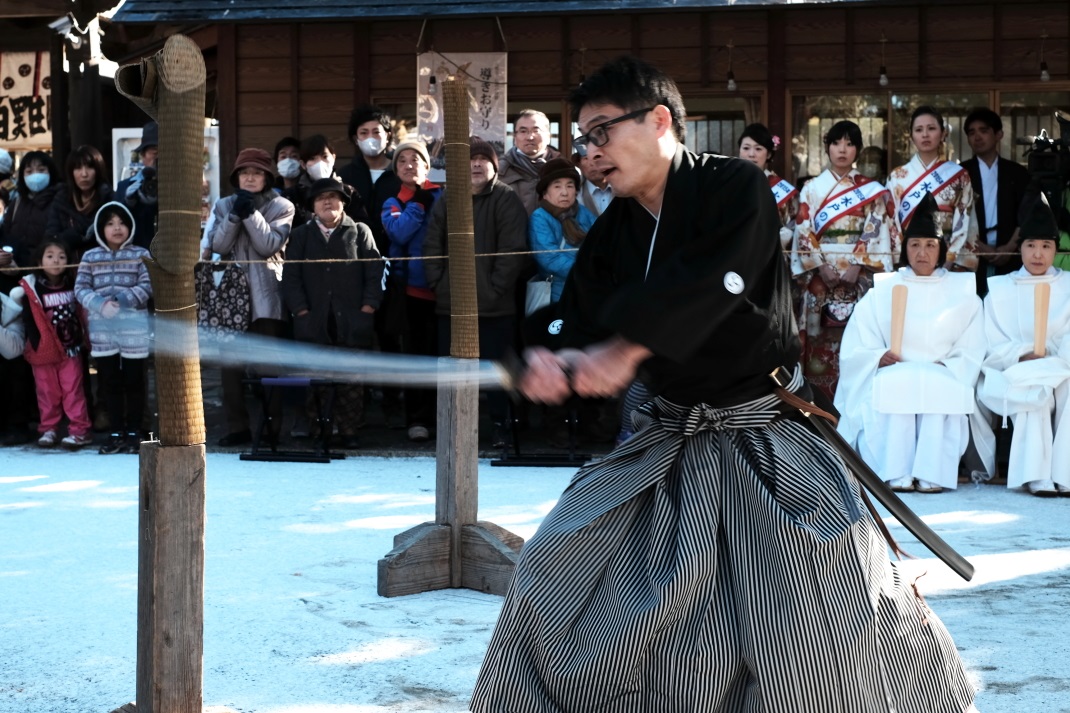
pixel 1035 219
pixel 924 223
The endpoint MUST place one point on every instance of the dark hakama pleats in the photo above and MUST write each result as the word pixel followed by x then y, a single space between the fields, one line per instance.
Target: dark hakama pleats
pixel 720 560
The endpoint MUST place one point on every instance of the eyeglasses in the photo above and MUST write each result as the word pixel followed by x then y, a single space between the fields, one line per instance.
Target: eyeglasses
pixel 599 135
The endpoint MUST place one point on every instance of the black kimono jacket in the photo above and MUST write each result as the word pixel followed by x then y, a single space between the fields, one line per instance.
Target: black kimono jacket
pixel 715 307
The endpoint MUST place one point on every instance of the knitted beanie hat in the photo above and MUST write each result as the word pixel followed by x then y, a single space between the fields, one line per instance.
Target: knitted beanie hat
pixel 417 146
pixel 553 170
pixel 483 148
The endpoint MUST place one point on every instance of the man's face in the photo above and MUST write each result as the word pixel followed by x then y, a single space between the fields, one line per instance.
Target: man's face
pixel 629 159
pixel 983 139
pixel 482 172
pixel 530 136
pixel 371 130
pixel 590 171
pixel 148 156
pixel 411 168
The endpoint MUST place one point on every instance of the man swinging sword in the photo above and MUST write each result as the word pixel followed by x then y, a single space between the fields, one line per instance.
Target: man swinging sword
pixel 723 559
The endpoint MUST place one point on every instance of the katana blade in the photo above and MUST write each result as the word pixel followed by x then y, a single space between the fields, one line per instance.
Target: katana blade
pixel 269 355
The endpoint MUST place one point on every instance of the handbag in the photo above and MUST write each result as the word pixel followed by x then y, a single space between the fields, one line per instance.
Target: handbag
pixel 224 309
pixel 538 293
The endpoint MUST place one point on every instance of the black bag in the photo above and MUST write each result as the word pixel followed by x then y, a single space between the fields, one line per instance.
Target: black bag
pixel 225 309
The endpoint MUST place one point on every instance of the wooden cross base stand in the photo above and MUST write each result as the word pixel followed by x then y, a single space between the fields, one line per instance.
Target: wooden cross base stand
pixel 420 560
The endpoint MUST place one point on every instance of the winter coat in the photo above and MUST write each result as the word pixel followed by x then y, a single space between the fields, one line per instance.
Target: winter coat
pixel 338 288
pixel 25 224
pixel 373 195
pixel 501 226
pixel 144 208
pixel 12 330
pixel 106 275
pixel 72 227
pixel 522 180
pixel 259 239
pixel 49 348
pixel 405 224
pixel 545 232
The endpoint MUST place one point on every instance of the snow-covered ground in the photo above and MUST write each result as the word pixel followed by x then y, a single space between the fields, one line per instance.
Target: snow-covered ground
pixel 293 623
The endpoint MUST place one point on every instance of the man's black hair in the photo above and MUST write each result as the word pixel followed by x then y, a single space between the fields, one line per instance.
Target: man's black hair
pixel 632 84
pixel 986 116
pixel 842 129
pixel 285 142
pixel 364 114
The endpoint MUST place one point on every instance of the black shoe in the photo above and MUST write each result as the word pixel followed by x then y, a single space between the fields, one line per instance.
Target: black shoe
pixel 114 444
pixel 238 438
pixel 132 444
pixel 500 436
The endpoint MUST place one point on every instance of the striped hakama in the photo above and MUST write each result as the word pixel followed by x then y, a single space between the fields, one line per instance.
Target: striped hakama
pixel 720 560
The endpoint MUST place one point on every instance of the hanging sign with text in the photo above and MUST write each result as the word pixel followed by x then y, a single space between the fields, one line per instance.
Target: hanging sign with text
pixel 25 100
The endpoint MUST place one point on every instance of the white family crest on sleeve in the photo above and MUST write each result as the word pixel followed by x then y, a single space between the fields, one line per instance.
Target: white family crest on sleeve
pixel 733 282
pixel 555 326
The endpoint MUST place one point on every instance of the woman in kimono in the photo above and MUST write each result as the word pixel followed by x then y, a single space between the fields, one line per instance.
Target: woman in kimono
pixel 907 413
pixel 758 145
pixel 928 172
pixel 844 234
pixel 1031 388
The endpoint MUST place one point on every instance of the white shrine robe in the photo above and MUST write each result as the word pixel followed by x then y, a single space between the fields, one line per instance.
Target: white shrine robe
pixel 1033 393
pixel 910 419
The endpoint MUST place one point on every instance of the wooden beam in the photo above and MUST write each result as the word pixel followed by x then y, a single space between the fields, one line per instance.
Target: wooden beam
pixel 636 35
pixel 362 64
pixel 849 44
pixel 566 53
pixel 997 42
pixel 60 102
pixel 704 50
pixel 295 80
pixel 923 44
pixel 227 100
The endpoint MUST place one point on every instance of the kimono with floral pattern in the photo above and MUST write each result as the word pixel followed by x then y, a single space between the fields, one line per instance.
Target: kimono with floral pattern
pixel 865 235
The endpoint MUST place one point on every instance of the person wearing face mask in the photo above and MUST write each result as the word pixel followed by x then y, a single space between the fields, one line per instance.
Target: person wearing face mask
pixel 844 233
pixel 949 183
pixel 318 157
pixel 23 230
pixel 288 183
pixel 371 171
pixel 70 217
pixel 26 217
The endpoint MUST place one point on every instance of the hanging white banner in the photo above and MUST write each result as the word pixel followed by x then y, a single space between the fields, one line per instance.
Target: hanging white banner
pixel 486 76
pixel 25 100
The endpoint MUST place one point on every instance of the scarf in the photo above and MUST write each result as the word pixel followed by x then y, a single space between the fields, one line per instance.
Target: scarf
pixel 528 165
pixel 574 234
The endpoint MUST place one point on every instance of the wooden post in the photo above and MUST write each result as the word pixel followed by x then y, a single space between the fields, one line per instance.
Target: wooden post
pixel 456 550
pixel 170 87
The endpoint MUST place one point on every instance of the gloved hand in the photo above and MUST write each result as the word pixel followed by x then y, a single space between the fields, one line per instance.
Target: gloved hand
pixel 424 197
pixel 135 184
pixel 243 204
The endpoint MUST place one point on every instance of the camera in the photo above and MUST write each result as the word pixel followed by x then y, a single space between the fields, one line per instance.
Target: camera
pixel 1049 166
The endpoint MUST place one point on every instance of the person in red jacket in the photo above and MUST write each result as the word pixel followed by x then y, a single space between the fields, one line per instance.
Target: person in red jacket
pixel 55 337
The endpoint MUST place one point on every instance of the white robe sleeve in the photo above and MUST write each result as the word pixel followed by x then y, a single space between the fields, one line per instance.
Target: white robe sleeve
pixel 861 348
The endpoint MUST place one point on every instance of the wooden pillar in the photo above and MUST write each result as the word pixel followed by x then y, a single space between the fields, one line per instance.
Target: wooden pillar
pixel 61 123
pixel 455 550
pixel 170 87
pixel 227 98
pixel 170 595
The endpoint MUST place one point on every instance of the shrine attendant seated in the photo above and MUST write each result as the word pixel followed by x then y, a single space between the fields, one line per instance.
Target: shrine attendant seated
pixel 907 411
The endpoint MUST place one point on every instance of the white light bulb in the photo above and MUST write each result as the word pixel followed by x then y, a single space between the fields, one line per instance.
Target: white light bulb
pixel 883 81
